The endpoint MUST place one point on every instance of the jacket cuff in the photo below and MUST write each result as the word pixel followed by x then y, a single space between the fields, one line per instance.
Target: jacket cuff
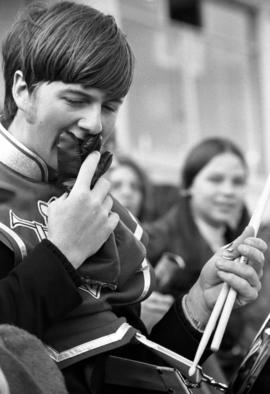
pixel 185 321
pixel 67 265
pixel 189 316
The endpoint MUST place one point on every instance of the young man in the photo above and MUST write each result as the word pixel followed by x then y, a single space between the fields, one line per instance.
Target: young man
pixel 67 70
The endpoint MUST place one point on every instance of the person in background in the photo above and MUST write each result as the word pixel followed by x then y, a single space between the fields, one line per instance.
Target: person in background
pixel 213 185
pixel 131 186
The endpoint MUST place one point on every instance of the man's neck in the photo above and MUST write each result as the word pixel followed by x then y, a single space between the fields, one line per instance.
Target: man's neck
pixel 23 131
pixel 20 130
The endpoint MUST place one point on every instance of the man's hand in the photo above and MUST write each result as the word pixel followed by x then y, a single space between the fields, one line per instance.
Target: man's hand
pixel 72 152
pixel 80 223
pixel 224 266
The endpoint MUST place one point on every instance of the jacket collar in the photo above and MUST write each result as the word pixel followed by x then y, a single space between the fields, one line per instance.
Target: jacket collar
pixel 21 159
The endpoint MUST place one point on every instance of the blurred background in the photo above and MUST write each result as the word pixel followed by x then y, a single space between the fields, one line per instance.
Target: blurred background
pixel 202 69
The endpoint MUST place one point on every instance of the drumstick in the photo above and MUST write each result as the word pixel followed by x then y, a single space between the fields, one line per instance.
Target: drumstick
pixel 254 222
pixel 209 327
pixel 224 293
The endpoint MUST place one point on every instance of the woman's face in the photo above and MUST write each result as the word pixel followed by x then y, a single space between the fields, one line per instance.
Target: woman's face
pixel 126 187
pixel 217 191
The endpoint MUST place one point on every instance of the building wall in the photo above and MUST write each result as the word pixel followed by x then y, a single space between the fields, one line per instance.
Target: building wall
pixel 192 82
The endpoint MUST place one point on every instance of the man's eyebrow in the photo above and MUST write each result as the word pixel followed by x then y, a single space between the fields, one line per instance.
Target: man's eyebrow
pixel 90 95
pixel 75 91
pixel 114 99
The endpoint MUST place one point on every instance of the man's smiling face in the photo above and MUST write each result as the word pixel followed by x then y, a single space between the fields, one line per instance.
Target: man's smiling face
pixel 57 107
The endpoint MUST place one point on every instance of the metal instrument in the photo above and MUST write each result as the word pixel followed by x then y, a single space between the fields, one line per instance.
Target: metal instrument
pixel 253 363
pixel 174 378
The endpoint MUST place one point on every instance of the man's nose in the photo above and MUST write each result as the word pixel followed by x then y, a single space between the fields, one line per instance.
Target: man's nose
pixel 90 120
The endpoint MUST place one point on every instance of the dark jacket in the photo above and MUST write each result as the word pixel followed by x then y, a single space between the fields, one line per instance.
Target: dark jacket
pixel 40 293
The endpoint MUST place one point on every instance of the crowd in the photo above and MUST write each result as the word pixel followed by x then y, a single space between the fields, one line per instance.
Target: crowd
pixel 80 249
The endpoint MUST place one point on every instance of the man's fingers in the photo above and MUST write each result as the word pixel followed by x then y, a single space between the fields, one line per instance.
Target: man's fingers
pixel 257 243
pixel 247 288
pixel 101 189
pixel 113 220
pixel 238 270
pixel 86 173
pixel 254 257
pixel 252 254
pixel 231 250
pixel 108 203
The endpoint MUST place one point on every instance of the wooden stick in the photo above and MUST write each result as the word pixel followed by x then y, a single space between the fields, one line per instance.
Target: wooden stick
pixel 210 327
pixel 227 295
pixel 255 222
pixel 223 321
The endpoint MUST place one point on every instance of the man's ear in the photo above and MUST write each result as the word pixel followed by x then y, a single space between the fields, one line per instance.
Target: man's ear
pixel 20 91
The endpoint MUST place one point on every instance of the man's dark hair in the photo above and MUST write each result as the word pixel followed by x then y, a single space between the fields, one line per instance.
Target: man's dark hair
pixel 67 42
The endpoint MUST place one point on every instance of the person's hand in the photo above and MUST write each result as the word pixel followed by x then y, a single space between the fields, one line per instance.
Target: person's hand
pixel 80 223
pixel 71 153
pixel 224 266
